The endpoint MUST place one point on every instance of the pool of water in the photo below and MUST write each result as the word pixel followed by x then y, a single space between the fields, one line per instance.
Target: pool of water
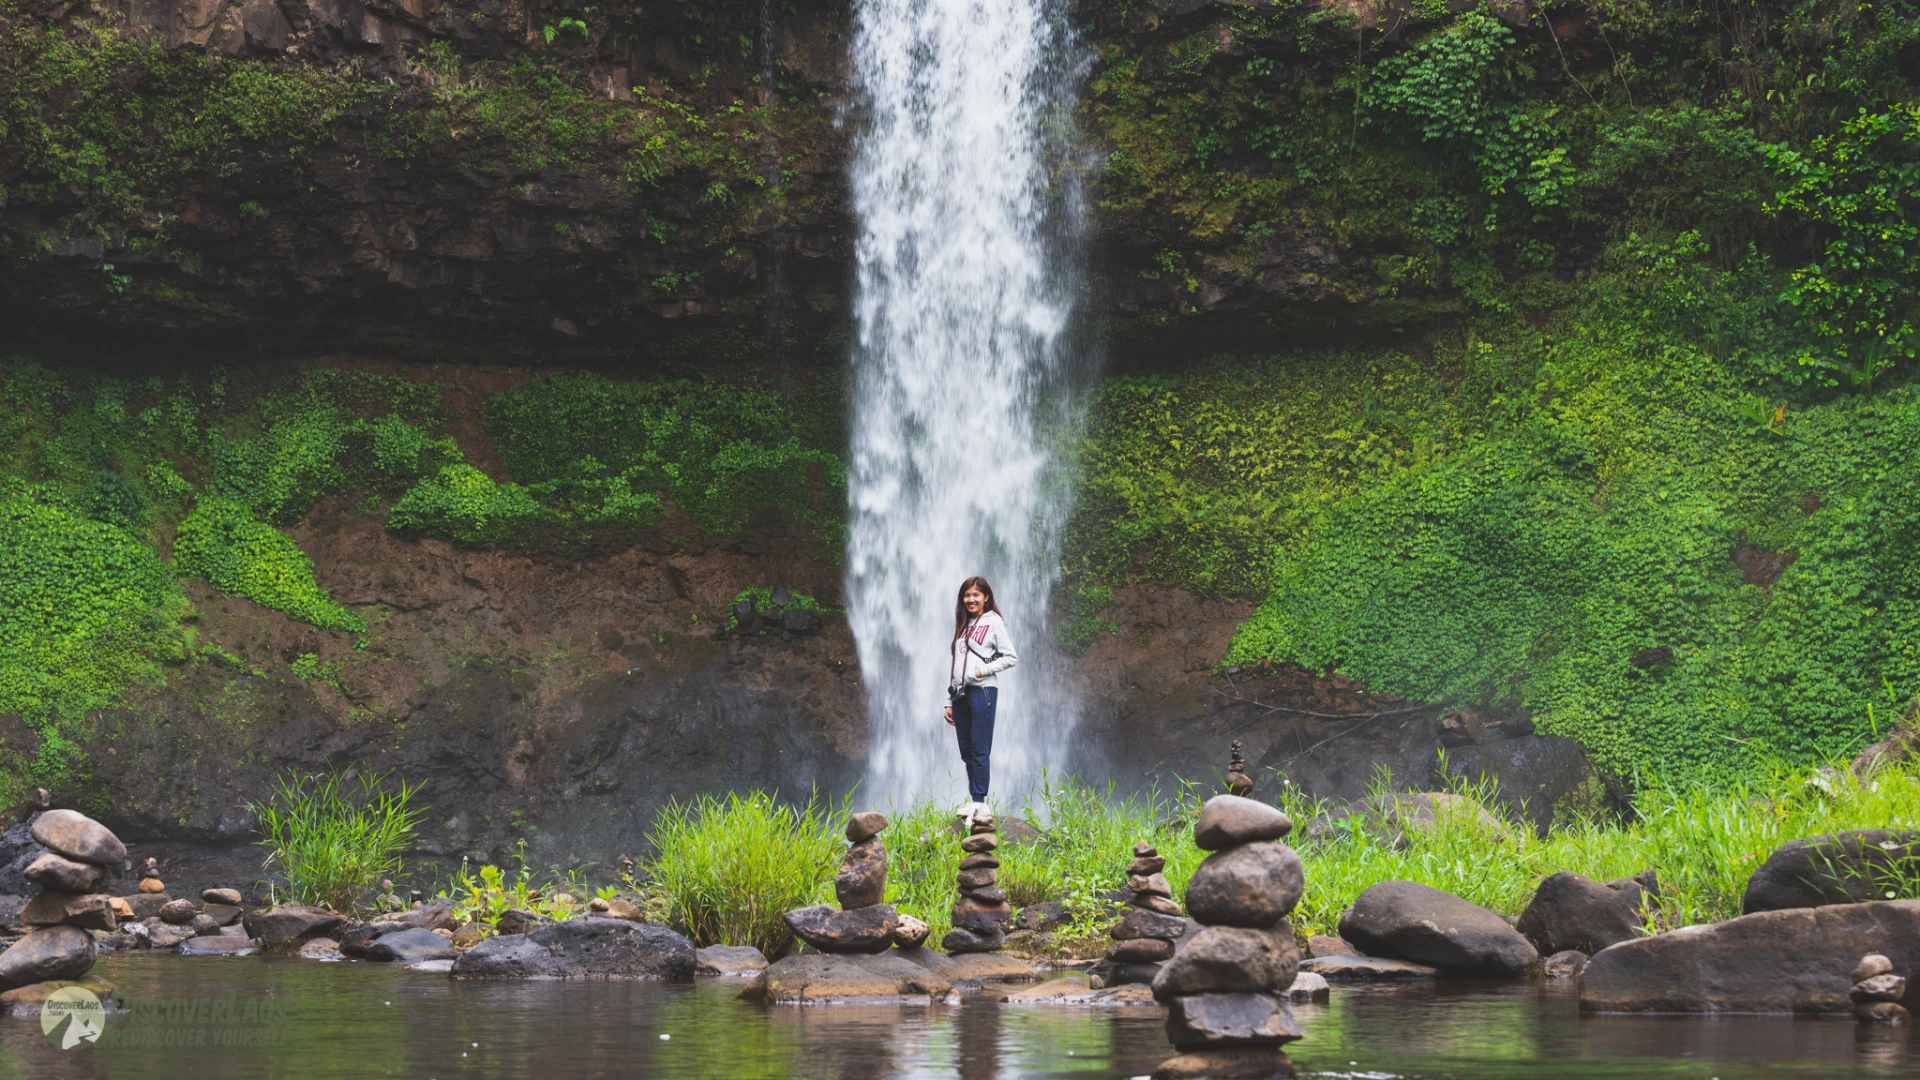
pixel 318 1021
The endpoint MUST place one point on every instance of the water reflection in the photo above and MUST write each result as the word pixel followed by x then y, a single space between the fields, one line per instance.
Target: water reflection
pixel 364 1020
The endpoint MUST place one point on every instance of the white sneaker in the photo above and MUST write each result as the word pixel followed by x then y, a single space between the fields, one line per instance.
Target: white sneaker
pixel 973 811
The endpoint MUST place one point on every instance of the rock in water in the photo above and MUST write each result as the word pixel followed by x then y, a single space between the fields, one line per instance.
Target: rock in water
pixel 731 960
pixel 1843 868
pixel 858 930
pixel 79 837
pixel 862 879
pixel 92 911
pixel 53 952
pixel 865 824
pixel 588 947
pixel 1249 1064
pixel 1228 821
pixel 1573 912
pixel 1205 1021
pixel 1325 945
pixel 1416 922
pixel 1879 988
pixel 178 912
pixel 410 946
pixel 290 922
pixel 1367 969
pixel 1566 964
pixel 1230 959
pixel 57 873
pixel 819 979
pixel 1253 885
pixel 1796 960
pixel 216 945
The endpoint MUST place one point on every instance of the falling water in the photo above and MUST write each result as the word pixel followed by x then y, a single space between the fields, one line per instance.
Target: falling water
pixel 962 391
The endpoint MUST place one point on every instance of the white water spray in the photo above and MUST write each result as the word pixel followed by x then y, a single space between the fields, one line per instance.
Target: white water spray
pixel 961 393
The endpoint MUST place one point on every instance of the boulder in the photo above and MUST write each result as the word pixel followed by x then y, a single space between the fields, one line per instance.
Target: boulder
pixel 229 897
pixel 962 940
pixel 911 933
pixel 729 960
pixel 52 952
pixel 78 837
pixel 865 824
pixel 1308 986
pixel 89 912
pixel 860 930
pixel 862 878
pixel 1140 923
pixel 1796 960
pixel 178 912
pixel 588 947
pixel 1566 964
pixel 216 945
pixel 57 873
pixel 1253 1063
pixel 410 945
pixel 320 949
pixel 1205 1021
pixel 1411 921
pixel 1573 912
pixel 818 978
pixel 1366 969
pixel 277 926
pixel 1230 959
pixel 1227 821
pixel 1254 885
pixel 1841 868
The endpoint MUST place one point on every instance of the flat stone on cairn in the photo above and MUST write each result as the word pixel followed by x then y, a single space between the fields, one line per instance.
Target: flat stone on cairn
pixel 1877 992
pixel 81 853
pixel 1226 991
pixel 980 914
pixel 1144 937
pixel 862 924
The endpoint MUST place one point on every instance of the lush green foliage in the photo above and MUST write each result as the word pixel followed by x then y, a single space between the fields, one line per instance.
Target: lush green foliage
pixel 732 867
pixel 333 838
pixel 463 504
pixel 222 543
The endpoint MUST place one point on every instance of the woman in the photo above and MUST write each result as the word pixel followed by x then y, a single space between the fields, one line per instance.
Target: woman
pixel 981 649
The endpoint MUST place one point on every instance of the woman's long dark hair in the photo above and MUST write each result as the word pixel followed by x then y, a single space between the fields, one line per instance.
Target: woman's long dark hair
pixel 960 603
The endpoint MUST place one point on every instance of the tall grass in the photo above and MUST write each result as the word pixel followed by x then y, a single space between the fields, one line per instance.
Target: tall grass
pixel 731 868
pixel 334 837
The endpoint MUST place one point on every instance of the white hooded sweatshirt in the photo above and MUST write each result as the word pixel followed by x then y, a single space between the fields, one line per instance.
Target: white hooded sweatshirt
pixel 986 647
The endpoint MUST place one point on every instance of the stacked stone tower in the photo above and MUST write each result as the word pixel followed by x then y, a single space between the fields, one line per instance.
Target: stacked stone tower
pixel 72 874
pixel 1238 782
pixel 1877 991
pixel 1143 940
pixel 863 924
pixel 981 914
pixel 1226 990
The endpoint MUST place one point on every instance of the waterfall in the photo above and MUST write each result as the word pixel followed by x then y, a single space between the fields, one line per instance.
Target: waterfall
pixel 963 392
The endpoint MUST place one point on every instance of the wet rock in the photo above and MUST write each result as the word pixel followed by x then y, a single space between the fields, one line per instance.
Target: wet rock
pixel 729 960
pixel 89 912
pixel 1126 974
pixel 862 878
pixel 1247 1064
pixel 1141 951
pixel 216 945
pixel 1566 964
pixel 1254 885
pixel 27 1002
pixel 178 912
pixel 1573 912
pixel 1882 1012
pixel 321 949
pixel 1871 965
pixel 981 842
pixel 278 926
pixel 1796 960
pixel 865 824
pixel 355 940
pixel 1367 969
pixel 1842 868
pixel 1228 821
pixel 52 952
pixel 1323 945
pixel 221 914
pixel 410 946
pixel 516 921
pixel 1140 923
pixel 1230 959
pixel 1205 1021
pixel 588 947
pixel 78 837
pixel 971 967
pixel 911 933
pixel 859 930
pixel 57 873
pixel 962 940
pixel 227 897
pixel 820 979
pixel 1878 988
pixel 1308 986
pixel 1411 921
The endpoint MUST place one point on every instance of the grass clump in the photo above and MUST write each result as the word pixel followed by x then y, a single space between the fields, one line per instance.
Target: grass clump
pixel 731 868
pixel 222 543
pixel 334 837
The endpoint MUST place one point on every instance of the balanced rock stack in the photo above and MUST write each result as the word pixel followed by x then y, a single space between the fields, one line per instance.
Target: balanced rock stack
pixel 981 915
pixel 150 877
pixel 1144 938
pixel 1226 989
pixel 863 924
pixel 1238 782
pixel 72 876
pixel 1877 992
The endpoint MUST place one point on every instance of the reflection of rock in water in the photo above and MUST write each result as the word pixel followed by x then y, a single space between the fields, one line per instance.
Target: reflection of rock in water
pixel 978 1034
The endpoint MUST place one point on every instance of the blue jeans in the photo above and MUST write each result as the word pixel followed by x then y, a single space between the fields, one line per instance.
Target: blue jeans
pixel 973 725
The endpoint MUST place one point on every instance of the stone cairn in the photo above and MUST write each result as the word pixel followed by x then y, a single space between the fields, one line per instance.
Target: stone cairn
pixel 150 877
pixel 72 875
pixel 1238 782
pixel 1877 992
pixel 1225 989
pixel 980 914
pixel 1144 939
pixel 863 924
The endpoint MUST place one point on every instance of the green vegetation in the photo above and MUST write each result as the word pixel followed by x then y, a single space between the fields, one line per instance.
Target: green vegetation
pixel 240 556
pixel 465 505
pixel 333 838
pixel 762 601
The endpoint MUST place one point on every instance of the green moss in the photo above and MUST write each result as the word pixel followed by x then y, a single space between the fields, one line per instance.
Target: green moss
pixel 463 504
pixel 222 543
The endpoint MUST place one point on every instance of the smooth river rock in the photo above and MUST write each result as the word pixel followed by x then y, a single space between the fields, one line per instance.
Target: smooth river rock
pixel 52 952
pixel 57 873
pixel 1573 912
pixel 1254 885
pixel 178 912
pixel 410 946
pixel 584 948
pixel 1367 969
pixel 1205 1021
pixel 79 837
pixel 1798 960
pixel 1230 959
pixel 1228 821
pixel 861 930
pixel 1411 921
pixel 729 960
pixel 1842 868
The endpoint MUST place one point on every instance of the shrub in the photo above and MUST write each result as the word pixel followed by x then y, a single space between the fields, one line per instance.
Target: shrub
pixel 334 838
pixel 223 544
pixel 465 505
